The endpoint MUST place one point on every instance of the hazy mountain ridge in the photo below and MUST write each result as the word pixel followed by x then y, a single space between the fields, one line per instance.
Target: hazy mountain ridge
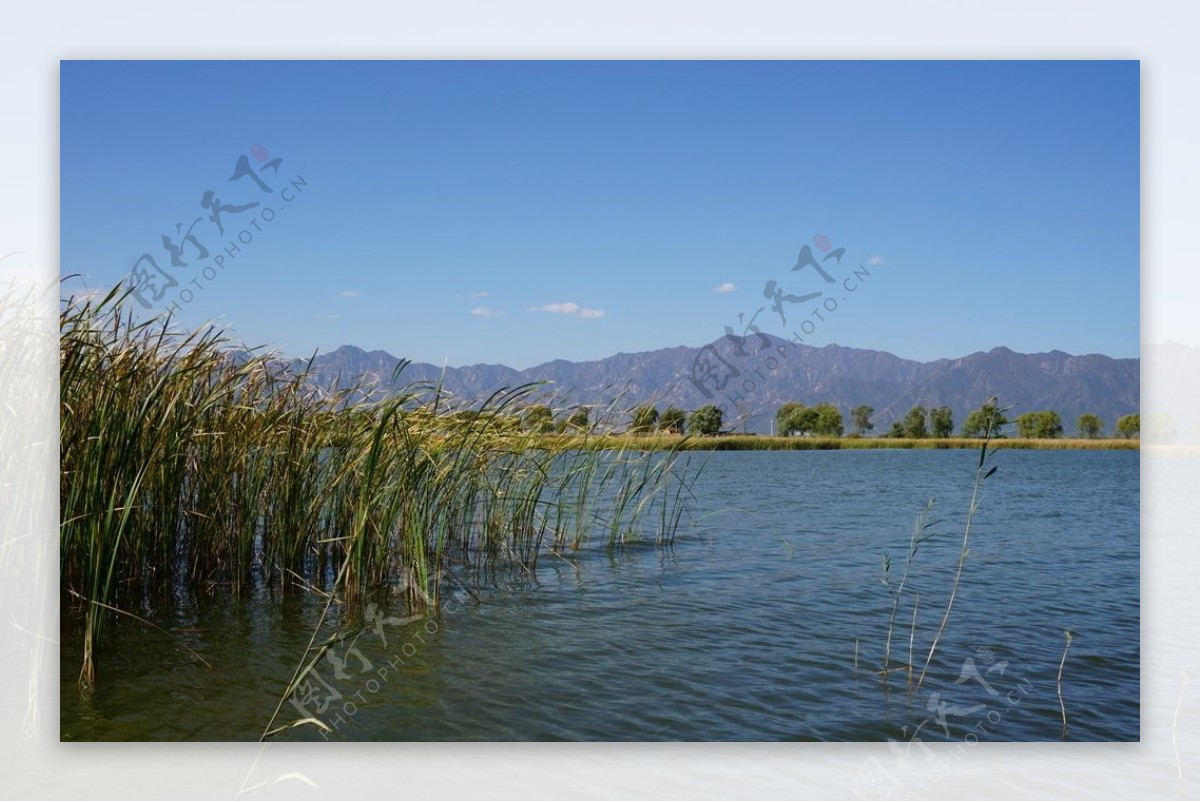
pixel 844 376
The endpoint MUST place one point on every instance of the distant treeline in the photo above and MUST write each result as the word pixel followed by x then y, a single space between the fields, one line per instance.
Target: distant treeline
pixel 794 419
pixel 751 442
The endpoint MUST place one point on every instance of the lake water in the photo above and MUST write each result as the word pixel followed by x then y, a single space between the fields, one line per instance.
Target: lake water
pixel 765 621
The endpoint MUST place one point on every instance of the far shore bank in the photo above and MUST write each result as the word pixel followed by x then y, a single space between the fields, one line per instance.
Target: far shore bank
pixel 747 442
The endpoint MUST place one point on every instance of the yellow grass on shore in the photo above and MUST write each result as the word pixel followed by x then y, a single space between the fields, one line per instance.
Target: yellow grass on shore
pixel 739 442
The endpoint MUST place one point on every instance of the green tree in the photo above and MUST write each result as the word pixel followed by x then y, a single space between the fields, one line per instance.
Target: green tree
pixel 795 418
pixel 1028 424
pixel 538 419
pixel 1041 424
pixel 1090 425
pixel 914 423
pixel 1052 425
pixel 673 420
pixel 645 418
pixel 828 420
pixel 579 420
pixel 784 415
pixel 862 418
pixel 706 420
pixel 941 420
pixel 1130 425
pixel 979 421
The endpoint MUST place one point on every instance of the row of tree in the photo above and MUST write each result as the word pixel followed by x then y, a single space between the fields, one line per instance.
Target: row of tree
pixel 795 418
pixel 707 420
pixel 826 420
pixel 644 419
pixel 540 419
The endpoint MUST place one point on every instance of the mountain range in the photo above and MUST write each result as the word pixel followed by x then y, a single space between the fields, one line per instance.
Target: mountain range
pixel 751 377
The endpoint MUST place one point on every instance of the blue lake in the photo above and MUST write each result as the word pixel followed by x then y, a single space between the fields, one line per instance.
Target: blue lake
pixel 767 620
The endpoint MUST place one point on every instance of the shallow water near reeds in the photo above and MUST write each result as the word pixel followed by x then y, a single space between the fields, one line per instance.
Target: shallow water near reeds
pixel 749 628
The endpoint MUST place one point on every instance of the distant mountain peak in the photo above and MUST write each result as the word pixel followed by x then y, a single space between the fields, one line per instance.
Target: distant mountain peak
pixel 752 376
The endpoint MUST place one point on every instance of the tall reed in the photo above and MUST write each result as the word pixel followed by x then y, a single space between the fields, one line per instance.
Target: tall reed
pixel 921 533
pixel 982 472
pixel 191 463
pixel 1070 636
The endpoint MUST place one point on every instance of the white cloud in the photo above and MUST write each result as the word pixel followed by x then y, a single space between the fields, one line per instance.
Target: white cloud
pixel 350 294
pixel 876 261
pixel 727 286
pixel 484 311
pixel 569 308
pixel 331 316
pixel 480 294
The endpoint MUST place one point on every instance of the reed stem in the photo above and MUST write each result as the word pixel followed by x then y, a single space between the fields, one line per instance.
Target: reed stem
pixel 1062 705
pixel 980 476
pixel 190 462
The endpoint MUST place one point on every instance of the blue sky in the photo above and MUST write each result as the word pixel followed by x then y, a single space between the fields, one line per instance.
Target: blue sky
pixel 519 212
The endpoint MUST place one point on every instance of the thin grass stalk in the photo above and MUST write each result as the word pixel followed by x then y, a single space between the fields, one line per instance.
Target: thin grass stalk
pixel 912 634
pixel 1062 705
pixel 918 536
pixel 980 476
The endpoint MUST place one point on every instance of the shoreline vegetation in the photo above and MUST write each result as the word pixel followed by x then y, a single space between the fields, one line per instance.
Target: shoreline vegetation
pixel 190 465
pixel 752 442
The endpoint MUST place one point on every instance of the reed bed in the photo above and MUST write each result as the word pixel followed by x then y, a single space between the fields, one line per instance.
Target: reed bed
pixel 188 463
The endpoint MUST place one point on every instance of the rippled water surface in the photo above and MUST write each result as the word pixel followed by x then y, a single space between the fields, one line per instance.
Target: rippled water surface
pixel 766 621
